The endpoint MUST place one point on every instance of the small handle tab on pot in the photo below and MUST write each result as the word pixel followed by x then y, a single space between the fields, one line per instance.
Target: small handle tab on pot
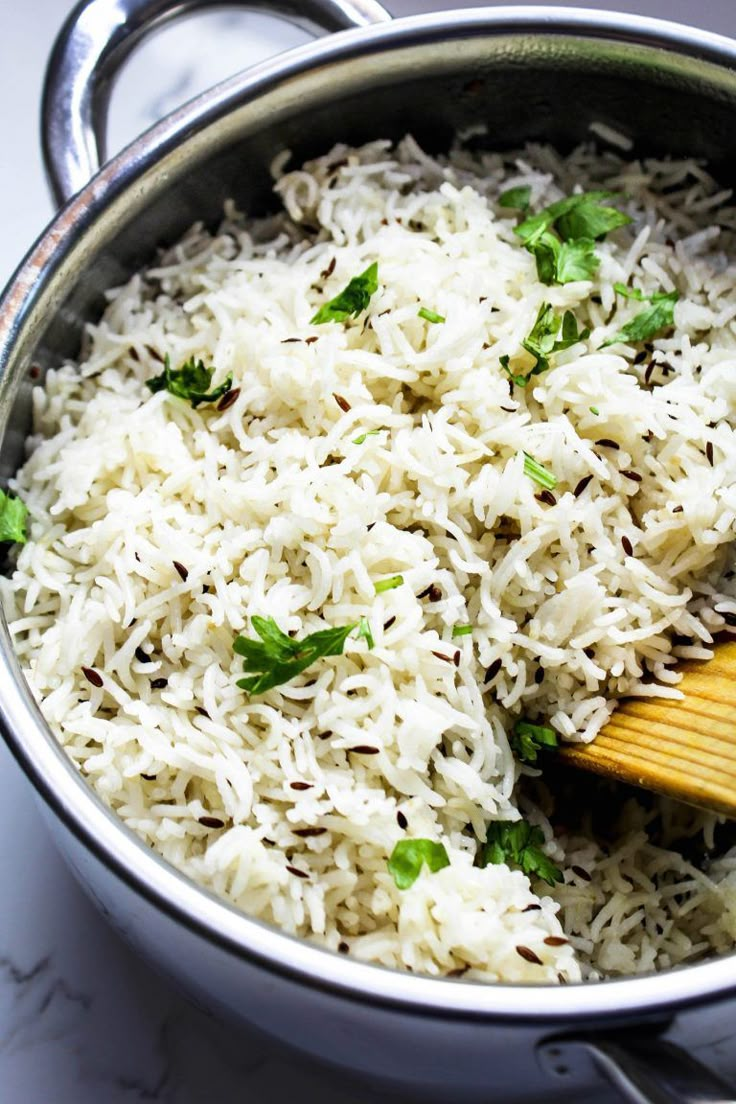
pixel 645 1071
pixel 95 41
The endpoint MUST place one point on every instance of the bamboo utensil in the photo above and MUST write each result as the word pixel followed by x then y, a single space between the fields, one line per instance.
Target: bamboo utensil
pixel 685 749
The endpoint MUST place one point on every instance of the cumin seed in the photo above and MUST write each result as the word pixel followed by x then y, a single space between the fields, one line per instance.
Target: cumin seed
pixel 441 655
pixel 307 833
pixel 297 872
pixel 606 442
pixel 301 786
pixel 389 623
pixel 677 509
pixel 159 683
pixel 581 873
pixel 311 340
pixel 492 671
pixel 364 749
pixel 141 656
pixel 343 947
pixel 92 676
pixel 582 485
pixel 327 272
pixel 292 341
pixel 228 399
pixel 627 545
pixel 539 676
pixel 341 402
pixel 709 452
pixel 631 475
pixel 401 820
pixel 181 570
pixel 202 712
pixel 211 822
pixel 532 907
pixel 555 941
pixel 529 955
pixel 149 777
pixel 547 497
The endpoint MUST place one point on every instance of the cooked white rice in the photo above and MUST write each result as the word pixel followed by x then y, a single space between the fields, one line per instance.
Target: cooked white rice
pixel 273 509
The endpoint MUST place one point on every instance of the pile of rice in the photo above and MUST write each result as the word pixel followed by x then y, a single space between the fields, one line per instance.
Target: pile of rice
pixel 159 530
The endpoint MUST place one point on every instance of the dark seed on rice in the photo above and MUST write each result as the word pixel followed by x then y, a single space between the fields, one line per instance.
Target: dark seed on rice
pixel 92 676
pixel 159 683
pixel 141 656
pixel 547 497
pixel 649 371
pixel 458 972
pixel 435 594
pixel 202 712
pixel 401 820
pixel 341 402
pixel 389 623
pixel 331 266
pixel 307 833
pixel 364 749
pixel 425 592
pixel 456 658
pixel 301 785
pixel 555 941
pixel 640 357
pixel 269 842
pixel 325 735
pixel 149 777
pixel 528 954
pixel 492 671
pixel 442 656
pixel 181 571
pixel 539 675
pixel 581 873
pixel 532 908
pixel 677 509
pixel 627 545
pixel 631 475
pixel 606 442
pixel 709 452
pixel 154 353
pixel 343 948
pixel 589 652
pixel 506 410
pixel 228 399
pixel 582 485
pixel 297 872
pixel 292 341
pixel 211 822
pixel 311 340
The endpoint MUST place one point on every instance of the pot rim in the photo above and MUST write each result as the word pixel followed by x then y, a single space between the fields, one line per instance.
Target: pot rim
pixel 53 774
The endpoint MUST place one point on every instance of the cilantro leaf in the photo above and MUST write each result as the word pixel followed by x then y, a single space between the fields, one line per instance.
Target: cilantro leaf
pixel 630 293
pixel 430 315
pixel 352 300
pixel 13 518
pixel 527 740
pixel 579 221
pixel 361 438
pixel 577 260
pixel 191 382
pixel 277 658
pixel 519 197
pixel 548 336
pixel 538 473
pixel 408 857
pixel 516 843
pixel 461 630
pixel 658 316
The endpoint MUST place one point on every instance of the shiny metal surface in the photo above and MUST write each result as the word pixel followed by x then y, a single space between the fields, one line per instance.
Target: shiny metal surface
pixel 527 73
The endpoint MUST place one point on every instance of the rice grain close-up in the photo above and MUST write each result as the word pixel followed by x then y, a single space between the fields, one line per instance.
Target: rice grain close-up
pixel 348 516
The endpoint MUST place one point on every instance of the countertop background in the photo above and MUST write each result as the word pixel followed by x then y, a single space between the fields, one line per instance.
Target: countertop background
pixel 82 1020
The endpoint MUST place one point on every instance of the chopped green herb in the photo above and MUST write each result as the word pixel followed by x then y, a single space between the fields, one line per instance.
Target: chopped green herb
pixel 538 473
pixel 352 300
pixel 594 410
pixel 630 293
pixel 192 381
pixel 660 315
pixel 527 739
pixel 461 630
pixel 518 198
pixel 430 315
pixel 277 658
pixel 368 433
pixel 13 518
pixel 388 584
pixel 516 843
pixel 579 221
pixel 364 630
pixel 408 857
pixel 548 336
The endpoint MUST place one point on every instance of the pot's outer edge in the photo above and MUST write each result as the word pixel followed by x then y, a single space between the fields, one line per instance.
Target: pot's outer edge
pixel 54 776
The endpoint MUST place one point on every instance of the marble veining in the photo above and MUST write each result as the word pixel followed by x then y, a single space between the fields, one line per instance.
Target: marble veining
pixel 82 1019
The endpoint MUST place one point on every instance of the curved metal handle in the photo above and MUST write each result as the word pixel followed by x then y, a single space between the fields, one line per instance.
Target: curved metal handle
pixel 95 41
pixel 646 1071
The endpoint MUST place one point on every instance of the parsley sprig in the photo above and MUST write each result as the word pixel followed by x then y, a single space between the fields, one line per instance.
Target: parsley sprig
pixel 527 740
pixel 408 857
pixel 517 198
pixel 562 236
pixel 548 335
pixel 191 381
pixel 516 843
pixel 13 519
pixel 658 316
pixel 352 300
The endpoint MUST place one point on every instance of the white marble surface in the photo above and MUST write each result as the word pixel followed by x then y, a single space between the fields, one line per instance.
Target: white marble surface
pixel 82 1021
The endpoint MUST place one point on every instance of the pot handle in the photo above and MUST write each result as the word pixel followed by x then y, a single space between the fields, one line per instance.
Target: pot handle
pixel 92 46
pixel 648 1070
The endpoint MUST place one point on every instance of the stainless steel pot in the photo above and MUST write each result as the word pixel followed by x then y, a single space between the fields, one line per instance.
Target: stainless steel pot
pixel 526 73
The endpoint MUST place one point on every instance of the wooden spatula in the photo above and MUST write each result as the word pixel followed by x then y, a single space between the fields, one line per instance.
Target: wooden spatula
pixel 686 749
